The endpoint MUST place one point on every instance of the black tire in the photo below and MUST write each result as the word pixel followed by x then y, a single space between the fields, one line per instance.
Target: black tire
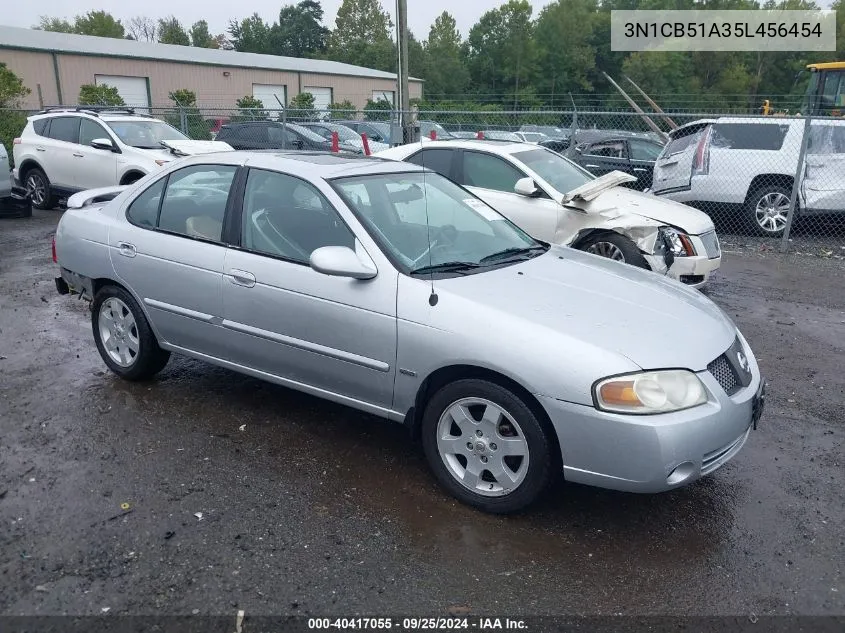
pixel 149 359
pixel 540 447
pixel 38 186
pixel 768 226
pixel 131 179
pixel 602 244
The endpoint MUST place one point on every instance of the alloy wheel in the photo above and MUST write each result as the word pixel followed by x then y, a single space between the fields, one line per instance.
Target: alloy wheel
pixel 36 188
pixel 118 332
pixel 772 211
pixel 607 249
pixel 483 447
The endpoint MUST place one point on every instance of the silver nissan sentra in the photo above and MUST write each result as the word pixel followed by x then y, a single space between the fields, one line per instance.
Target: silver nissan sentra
pixel 386 287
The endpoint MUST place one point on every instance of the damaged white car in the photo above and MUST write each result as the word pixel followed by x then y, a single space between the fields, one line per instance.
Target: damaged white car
pixel 556 201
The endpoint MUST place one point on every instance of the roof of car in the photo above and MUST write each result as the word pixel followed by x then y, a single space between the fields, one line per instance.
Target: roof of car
pixel 494 146
pixel 324 165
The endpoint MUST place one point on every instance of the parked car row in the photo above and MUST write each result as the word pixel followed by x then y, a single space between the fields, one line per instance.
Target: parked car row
pixel 409 295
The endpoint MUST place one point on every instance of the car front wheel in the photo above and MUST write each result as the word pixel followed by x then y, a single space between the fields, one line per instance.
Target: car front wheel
pixel 124 337
pixel 486 446
pixel 616 247
pixel 38 188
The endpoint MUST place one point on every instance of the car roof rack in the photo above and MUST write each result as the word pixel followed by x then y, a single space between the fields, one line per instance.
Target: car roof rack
pixel 94 110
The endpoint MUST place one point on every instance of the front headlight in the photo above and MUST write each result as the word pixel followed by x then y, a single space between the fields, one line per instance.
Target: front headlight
pixel 676 242
pixel 650 392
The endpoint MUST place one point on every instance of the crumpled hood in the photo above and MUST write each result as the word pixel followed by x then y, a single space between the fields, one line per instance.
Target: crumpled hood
pixel 620 200
pixel 189 148
pixel 653 321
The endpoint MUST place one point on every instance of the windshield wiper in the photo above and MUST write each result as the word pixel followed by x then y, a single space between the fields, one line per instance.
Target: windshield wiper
pixel 446 267
pixel 524 253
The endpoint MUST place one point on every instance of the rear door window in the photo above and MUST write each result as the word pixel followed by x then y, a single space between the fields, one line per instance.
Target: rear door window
pixel 195 201
pixel 489 172
pixel 65 128
pixel 759 136
pixel 439 160
pixel 608 149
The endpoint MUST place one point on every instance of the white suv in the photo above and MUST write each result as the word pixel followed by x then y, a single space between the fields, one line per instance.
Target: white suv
pixel 65 150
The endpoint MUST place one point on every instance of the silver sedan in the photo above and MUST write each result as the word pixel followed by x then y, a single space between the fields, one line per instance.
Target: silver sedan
pixel 389 288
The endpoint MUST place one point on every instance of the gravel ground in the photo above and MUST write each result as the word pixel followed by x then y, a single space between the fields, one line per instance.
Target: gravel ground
pixel 313 508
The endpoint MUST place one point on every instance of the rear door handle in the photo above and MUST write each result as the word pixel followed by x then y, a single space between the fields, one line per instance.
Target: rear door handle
pixel 40 149
pixel 241 278
pixel 79 155
pixel 126 249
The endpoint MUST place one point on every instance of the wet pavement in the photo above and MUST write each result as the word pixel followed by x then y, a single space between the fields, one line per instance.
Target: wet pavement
pixel 313 508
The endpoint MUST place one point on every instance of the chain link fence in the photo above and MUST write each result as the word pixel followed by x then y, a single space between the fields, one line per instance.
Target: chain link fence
pixel 770 183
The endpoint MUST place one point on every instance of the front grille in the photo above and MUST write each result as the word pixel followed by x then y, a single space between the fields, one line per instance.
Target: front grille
pixel 724 375
pixel 711 244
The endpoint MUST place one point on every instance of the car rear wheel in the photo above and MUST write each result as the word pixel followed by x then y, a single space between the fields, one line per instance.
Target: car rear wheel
pixel 124 337
pixel 38 188
pixel 616 247
pixel 486 446
pixel 768 210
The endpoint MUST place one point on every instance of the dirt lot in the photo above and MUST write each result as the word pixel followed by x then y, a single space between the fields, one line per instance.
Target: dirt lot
pixel 318 509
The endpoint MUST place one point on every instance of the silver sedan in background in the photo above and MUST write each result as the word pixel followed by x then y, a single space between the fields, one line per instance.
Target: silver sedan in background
pixel 386 287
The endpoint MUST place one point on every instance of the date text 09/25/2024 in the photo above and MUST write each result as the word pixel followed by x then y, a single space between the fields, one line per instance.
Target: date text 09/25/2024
pixel 418 624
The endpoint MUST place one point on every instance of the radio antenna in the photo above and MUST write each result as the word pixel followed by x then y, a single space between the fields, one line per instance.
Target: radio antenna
pixel 432 298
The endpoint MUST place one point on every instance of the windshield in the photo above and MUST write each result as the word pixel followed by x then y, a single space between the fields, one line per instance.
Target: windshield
pixel 304 131
pixel 424 221
pixel 343 133
pixel 146 134
pixel 554 169
pixel 534 137
pixel 426 127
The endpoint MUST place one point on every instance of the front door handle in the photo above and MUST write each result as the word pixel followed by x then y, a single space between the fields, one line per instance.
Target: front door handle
pixel 640 169
pixel 126 249
pixel 79 155
pixel 40 149
pixel 241 278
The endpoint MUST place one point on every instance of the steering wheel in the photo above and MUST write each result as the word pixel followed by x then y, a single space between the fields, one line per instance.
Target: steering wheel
pixel 443 237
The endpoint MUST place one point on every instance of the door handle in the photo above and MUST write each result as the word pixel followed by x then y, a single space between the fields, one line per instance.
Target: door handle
pixel 640 169
pixel 40 149
pixel 241 278
pixel 126 249
pixel 79 155
pixel 592 166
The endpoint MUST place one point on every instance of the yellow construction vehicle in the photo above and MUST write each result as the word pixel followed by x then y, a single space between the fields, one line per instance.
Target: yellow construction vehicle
pixel 825 95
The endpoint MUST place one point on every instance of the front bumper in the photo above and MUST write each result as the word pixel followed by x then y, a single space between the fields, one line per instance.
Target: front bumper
pixel 654 453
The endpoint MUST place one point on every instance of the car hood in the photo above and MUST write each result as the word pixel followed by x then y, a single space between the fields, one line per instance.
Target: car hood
pixel 652 321
pixel 660 210
pixel 358 144
pixel 189 148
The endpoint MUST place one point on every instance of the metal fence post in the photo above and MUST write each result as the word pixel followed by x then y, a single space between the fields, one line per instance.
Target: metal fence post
pixel 796 185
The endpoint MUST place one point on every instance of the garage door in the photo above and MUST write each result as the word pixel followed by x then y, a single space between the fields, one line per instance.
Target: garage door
pixel 322 97
pixel 384 95
pixel 266 94
pixel 133 90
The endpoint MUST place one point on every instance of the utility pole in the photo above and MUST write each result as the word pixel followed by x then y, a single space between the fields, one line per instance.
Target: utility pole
pixel 402 76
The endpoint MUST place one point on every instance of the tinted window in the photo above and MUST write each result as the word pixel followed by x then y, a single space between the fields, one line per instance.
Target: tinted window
pixel 489 172
pixel 88 131
pixel 65 128
pixel 643 150
pixel 608 149
pixel 40 126
pixel 144 209
pixel 287 217
pixel 749 135
pixel 195 201
pixel 439 160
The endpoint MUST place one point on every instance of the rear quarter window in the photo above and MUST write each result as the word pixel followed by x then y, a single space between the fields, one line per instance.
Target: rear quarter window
pixel 39 126
pixel 759 136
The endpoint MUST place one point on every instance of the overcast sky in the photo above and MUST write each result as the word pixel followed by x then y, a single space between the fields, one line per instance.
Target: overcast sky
pixel 421 13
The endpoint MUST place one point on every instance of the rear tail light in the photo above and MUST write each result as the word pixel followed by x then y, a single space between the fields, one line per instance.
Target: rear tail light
pixel 55 259
pixel 701 160
pixel 17 141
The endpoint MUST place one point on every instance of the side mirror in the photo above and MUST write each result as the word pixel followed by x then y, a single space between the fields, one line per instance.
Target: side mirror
pixel 341 261
pixel 526 187
pixel 103 143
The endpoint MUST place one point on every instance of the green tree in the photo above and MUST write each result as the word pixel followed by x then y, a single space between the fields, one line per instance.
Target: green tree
pixel 342 110
pixel 249 109
pixel 445 73
pixel 98 23
pixel 200 35
pixel 362 35
pixel 171 31
pixel 251 35
pixel 302 106
pixel 12 121
pixel 187 116
pixel 102 95
pixel 501 50
pixel 380 110
pixel 299 31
